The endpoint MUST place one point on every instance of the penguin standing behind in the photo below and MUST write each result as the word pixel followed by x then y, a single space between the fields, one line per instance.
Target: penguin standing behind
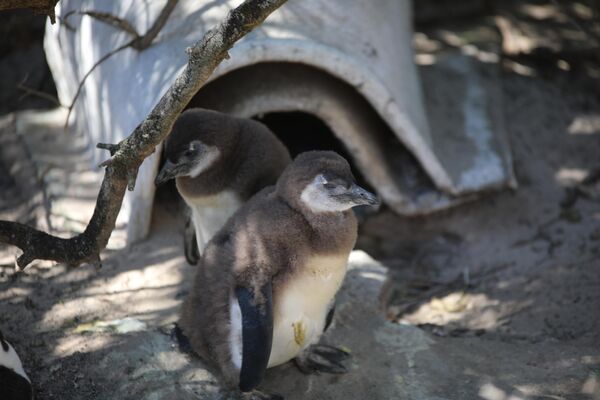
pixel 264 291
pixel 219 161
pixel 14 382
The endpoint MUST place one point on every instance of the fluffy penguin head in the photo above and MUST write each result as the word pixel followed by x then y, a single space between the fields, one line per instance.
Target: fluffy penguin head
pixel 199 138
pixel 322 182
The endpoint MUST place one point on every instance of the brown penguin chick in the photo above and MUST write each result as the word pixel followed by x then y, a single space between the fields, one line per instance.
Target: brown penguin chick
pixel 267 280
pixel 219 162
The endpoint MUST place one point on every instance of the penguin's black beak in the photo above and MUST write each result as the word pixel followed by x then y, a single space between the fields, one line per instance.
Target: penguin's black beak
pixel 360 196
pixel 167 172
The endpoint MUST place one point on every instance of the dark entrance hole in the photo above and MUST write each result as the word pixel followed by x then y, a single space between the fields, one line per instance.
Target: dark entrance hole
pixel 301 132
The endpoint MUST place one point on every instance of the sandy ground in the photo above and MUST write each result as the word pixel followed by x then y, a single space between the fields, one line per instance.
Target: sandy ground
pixel 496 299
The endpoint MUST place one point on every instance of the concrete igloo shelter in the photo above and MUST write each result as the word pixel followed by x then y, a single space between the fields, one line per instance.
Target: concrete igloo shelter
pixel 347 64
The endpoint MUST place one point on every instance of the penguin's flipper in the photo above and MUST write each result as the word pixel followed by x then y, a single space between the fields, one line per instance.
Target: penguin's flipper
pixel 190 245
pixel 181 339
pixel 329 318
pixel 257 334
pixel 14 386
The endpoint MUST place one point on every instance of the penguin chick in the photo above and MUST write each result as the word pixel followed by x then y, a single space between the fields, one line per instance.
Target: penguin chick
pixel 267 280
pixel 219 162
pixel 14 382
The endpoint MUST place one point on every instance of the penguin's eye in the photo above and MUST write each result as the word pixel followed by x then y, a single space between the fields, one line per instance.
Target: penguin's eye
pixel 190 151
pixel 330 186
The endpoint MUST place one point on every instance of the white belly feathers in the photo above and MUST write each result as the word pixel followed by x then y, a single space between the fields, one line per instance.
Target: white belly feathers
pixel 210 213
pixel 301 308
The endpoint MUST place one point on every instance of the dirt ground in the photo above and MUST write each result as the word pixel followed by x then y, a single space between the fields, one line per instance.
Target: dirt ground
pixel 513 277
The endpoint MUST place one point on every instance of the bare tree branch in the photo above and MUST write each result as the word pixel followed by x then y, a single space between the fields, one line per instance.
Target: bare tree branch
pixel 143 42
pixel 106 18
pixel 38 93
pixel 122 166
pixel 38 6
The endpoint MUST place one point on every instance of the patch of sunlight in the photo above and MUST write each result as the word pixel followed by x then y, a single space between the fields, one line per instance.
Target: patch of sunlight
pixel 591 385
pixel 564 65
pixel 118 326
pixel 452 303
pixel 491 392
pixel 373 275
pixel 520 69
pixel 541 12
pixel 169 361
pixel 583 11
pixel 478 310
pixel 585 125
pixel 423 43
pixel 51 118
pixel 148 292
pixel 451 38
pixel 118 238
pixel 570 176
pixel 14 293
pixel 425 59
pixel 359 258
pixel 481 55
pixel 66 346
pixel 538 390
pixel 590 360
pixel 153 275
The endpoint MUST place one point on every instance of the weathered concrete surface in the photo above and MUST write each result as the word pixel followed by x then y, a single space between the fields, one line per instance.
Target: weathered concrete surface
pixel 372 92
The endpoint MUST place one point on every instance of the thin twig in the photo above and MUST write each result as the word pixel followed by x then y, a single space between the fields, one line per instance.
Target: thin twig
pixel 38 6
pixel 108 19
pixel 138 42
pixel 80 86
pixel 146 40
pixel 30 91
pixel 122 167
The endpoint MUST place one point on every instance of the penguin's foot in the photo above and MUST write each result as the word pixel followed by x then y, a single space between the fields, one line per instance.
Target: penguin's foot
pixel 322 358
pixel 258 395
pixel 182 341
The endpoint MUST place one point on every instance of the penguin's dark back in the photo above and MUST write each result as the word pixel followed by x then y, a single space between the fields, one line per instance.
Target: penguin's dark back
pixel 13 386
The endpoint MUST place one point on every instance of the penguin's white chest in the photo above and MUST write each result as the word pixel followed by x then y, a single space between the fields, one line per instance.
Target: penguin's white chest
pixel 300 308
pixel 210 213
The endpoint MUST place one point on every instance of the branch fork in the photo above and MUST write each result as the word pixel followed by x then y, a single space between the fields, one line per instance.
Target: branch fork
pixel 127 156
